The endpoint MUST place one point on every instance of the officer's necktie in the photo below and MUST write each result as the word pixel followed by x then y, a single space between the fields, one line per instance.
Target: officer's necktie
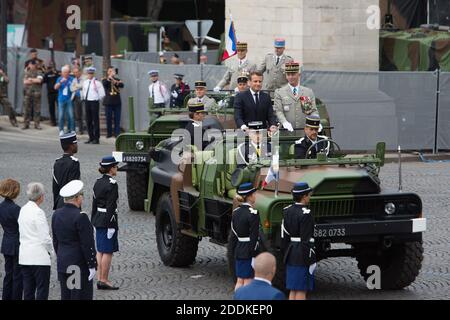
pixel 257 99
pixel 258 151
pixel 278 60
pixel 295 91
pixel 87 92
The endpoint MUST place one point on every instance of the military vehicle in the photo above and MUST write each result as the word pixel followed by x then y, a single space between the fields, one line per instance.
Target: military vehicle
pixel 191 194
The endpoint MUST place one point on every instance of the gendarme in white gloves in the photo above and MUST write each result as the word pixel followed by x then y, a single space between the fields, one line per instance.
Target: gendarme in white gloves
pixel 110 233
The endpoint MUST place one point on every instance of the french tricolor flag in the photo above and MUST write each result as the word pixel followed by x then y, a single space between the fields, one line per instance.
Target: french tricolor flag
pixel 230 49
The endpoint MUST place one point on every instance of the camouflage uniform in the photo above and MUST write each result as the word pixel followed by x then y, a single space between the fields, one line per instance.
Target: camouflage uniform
pixel 32 97
pixel 210 103
pixel 234 71
pixel 5 102
pixel 288 107
pixel 275 77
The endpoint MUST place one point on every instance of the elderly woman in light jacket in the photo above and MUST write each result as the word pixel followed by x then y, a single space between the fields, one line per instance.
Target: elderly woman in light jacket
pixel 35 245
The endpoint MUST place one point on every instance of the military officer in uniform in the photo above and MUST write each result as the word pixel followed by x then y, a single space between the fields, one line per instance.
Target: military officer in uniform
pixel 66 168
pixel 312 128
pixel 201 97
pixel 178 92
pixel 32 86
pixel 293 102
pixel 73 241
pixel 236 66
pixel 4 80
pixel 242 83
pixel 197 114
pixel 274 65
pixel 245 232
pixel 104 219
pixel 297 243
pixel 254 150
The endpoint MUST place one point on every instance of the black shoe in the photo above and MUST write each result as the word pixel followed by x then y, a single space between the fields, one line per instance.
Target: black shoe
pixel 105 286
pixel 88 142
pixel 95 142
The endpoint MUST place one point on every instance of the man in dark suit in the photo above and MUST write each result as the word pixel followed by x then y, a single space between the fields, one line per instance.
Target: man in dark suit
pixel 261 286
pixel 73 240
pixel 9 214
pixel 254 105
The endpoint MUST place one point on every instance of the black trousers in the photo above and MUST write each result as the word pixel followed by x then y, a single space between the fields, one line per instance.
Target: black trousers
pixel 85 292
pixel 52 106
pixel 12 283
pixel 78 108
pixel 36 282
pixel 93 119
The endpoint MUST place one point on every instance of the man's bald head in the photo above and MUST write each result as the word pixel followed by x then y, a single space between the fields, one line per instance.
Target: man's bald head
pixel 265 266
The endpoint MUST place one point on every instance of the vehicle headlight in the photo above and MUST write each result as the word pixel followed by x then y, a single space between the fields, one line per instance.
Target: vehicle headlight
pixel 140 145
pixel 389 208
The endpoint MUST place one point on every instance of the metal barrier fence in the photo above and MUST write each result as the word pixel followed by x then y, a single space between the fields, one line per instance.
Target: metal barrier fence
pixel 364 107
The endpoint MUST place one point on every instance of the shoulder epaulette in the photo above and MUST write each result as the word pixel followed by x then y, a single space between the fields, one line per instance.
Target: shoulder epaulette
pixel 73 158
pixel 300 140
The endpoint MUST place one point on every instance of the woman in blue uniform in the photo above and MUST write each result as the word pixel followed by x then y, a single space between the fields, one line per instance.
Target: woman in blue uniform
pixel 245 227
pixel 297 230
pixel 104 219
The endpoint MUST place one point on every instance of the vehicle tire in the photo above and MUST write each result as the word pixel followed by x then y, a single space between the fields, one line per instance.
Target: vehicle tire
pixel 137 184
pixel 175 249
pixel 399 265
pixel 230 256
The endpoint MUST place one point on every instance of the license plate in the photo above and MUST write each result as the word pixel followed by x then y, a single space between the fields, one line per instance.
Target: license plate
pixel 329 232
pixel 144 158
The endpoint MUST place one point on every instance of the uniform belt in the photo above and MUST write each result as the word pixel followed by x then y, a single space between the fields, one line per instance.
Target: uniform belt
pixel 101 210
pixel 246 239
pixel 296 239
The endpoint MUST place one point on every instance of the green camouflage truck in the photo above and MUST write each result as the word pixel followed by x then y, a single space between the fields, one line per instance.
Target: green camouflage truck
pixel 191 195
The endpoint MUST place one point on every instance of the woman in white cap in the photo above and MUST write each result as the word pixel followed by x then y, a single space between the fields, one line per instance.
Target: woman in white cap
pixel 104 219
pixel 245 227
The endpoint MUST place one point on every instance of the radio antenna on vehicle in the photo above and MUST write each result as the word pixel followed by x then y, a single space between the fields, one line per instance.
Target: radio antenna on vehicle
pixel 400 187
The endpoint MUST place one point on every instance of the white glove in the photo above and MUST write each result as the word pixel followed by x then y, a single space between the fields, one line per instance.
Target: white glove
pixel 221 103
pixel 288 126
pixel 244 127
pixel 312 268
pixel 92 273
pixel 111 233
pixel 217 89
pixel 175 94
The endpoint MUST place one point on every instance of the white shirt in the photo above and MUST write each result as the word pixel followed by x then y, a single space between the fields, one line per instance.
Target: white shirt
pixel 297 87
pixel 159 90
pixel 262 279
pixel 92 90
pixel 253 95
pixel 243 61
pixel 36 245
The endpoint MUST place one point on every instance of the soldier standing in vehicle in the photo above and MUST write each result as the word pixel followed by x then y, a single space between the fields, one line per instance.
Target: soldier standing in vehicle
pixel 242 83
pixel 245 228
pixel 4 80
pixel 312 128
pixel 274 65
pixel 104 219
pixel 297 242
pixel 32 87
pixel 66 168
pixel 197 114
pixel 236 66
pixel 179 91
pixel 200 96
pixel 293 102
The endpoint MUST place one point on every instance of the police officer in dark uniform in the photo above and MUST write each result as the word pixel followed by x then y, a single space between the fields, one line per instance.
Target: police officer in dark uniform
pixel 73 241
pixel 66 168
pixel 178 92
pixel 256 148
pixel 297 242
pixel 245 228
pixel 104 219
pixel 312 128
pixel 195 127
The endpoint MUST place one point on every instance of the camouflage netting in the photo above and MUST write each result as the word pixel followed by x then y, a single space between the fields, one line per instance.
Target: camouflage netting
pixel 414 50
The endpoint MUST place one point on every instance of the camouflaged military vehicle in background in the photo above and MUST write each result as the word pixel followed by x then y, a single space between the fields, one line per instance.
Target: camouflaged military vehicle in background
pixel 192 199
